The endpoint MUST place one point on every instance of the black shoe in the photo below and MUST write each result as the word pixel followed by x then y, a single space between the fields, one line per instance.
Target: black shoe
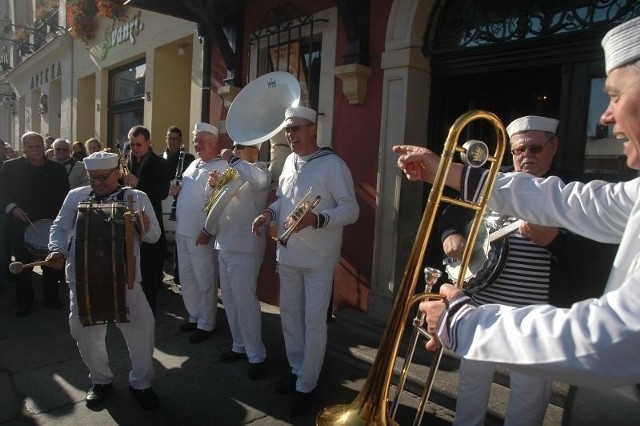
pixel 287 384
pixel 188 327
pixel 54 304
pixel 231 356
pixel 23 311
pixel 200 336
pixel 146 397
pixel 300 404
pixel 97 394
pixel 256 370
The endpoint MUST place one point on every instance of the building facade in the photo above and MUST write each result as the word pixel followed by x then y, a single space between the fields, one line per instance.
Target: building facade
pixel 379 73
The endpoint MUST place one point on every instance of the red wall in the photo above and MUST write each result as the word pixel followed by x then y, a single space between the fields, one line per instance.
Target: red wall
pixel 356 134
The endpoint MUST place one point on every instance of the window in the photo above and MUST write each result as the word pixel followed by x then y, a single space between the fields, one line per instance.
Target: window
pixel 305 47
pixel 126 101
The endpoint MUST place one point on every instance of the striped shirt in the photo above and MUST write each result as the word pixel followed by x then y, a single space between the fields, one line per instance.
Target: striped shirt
pixel 525 278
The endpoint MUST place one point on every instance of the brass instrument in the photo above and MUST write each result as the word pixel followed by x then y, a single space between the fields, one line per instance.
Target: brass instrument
pixel 371 406
pixel 122 162
pixel 294 218
pixel 223 180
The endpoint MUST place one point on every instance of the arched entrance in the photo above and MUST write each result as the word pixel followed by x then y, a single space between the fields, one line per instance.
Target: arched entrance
pixel 540 64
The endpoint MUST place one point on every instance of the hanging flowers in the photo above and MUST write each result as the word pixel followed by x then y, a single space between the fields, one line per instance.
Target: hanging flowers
pixel 114 9
pixel 81 18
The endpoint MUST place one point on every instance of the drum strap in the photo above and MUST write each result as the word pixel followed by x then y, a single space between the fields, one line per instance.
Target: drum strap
pixel 99 198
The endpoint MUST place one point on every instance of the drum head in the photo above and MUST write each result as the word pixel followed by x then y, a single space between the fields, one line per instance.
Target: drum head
pixel 36 237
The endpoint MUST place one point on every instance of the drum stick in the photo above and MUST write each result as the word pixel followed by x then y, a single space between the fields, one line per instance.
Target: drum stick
pixel 18 267
pixel 32 225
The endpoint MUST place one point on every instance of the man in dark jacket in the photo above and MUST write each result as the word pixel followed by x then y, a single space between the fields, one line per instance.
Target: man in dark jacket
pixel 149 173
pixel 32 188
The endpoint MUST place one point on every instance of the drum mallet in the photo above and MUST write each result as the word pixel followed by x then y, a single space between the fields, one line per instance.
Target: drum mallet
pixel 18 267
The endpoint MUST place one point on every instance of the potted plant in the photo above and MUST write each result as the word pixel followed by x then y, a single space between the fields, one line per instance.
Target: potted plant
pixel 81 18
pixel 114 9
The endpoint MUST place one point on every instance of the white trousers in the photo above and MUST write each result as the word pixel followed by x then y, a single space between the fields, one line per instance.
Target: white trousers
pixel 238 280
pixel 304 299
pixel 138 333
pixel 528 397
pixel 198 280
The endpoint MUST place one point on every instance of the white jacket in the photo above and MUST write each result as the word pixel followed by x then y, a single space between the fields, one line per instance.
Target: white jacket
pixel 597 341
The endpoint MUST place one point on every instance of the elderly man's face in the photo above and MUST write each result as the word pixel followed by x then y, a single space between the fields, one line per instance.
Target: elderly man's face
pixel 301 135
pixel 534 151
pixel 62 152
pixel 623 112
pixel 33 148
pixel 105 181
pixel 205 145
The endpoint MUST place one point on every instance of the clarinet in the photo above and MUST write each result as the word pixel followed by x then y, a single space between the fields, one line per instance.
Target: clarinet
pixel 178 178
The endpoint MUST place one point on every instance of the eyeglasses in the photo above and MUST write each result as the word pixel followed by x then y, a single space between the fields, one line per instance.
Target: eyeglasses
pixel 197 141
pixel 100 178
pixel 238 146
pixel 296 128
pixel 533 149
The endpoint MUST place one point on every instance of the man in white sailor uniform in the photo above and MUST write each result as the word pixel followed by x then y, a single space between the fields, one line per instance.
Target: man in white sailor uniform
pixel 240 255
pixel 595 342
pixel 102 168
pixel 307 264
pixel 196 249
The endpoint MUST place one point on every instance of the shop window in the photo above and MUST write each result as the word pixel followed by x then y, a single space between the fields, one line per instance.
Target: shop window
pixel 603 155
pixel 126 101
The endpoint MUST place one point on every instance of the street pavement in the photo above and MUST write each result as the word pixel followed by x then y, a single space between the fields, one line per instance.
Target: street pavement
pixel 44 382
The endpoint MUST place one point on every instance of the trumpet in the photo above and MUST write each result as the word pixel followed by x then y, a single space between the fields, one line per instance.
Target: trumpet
pixel 294 218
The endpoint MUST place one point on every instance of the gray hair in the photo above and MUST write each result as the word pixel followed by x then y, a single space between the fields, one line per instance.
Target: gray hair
pixel 61 142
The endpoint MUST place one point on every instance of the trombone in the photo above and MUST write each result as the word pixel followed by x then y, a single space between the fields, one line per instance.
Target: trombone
pixel 371 406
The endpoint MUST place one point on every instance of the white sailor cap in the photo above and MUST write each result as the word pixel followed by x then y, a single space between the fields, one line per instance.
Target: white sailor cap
pixel 205 127
pixel 101 160
pixel 622 44
pixel 301 112
pixel 532 122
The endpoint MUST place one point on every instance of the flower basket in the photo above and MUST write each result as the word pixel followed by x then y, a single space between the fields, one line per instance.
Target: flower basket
pixel 114 9
pixel 81 18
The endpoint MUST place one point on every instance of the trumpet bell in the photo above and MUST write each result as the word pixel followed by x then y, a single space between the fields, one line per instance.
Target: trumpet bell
pixel 257 113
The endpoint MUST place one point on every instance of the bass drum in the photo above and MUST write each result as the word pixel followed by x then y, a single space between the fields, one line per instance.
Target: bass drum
pixel 595 407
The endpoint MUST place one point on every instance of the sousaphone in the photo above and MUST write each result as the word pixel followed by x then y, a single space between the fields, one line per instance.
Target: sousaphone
pixel 256 115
